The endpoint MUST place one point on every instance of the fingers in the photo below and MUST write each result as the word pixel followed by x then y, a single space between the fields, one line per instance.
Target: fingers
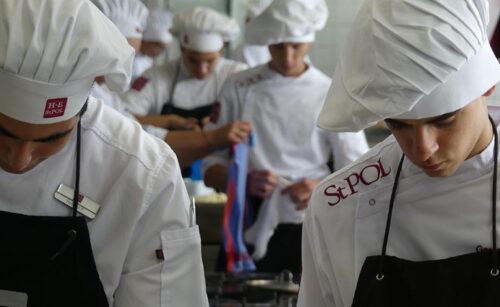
pixel 300 192
pixel 262 183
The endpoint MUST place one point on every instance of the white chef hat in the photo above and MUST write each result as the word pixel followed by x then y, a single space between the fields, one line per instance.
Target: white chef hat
pixel 410 59
pixel 130 16
pixel 203 29
pixel 256 7
pixel 292 21
pixel 158 27
pixel 50 53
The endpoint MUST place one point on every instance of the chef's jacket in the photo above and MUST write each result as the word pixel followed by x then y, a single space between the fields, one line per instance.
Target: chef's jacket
pixel 152 90
pixel 433 218
pixel 114 100
pixel 144 208
pixel 142 63
pixel 283 112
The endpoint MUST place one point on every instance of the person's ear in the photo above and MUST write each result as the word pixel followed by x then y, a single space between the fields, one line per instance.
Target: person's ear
pixel 490 91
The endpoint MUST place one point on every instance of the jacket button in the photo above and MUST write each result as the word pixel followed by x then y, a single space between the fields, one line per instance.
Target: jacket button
pixel 372 202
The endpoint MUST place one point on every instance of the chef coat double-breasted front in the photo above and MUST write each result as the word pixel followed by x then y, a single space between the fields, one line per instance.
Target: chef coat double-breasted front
pixel 283 112
pixel 144 208
pixel 152 90
pixel 433 218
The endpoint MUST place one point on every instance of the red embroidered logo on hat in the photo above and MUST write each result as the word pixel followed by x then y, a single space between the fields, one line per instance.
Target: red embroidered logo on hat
pixel 55 107
pixel 138 30
pixel 139 83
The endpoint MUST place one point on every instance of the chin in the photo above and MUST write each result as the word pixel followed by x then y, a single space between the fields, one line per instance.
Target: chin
pixel 446 172
pixel 19 172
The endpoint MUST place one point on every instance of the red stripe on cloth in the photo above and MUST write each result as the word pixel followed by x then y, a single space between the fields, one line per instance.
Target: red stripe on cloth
pixel 227 232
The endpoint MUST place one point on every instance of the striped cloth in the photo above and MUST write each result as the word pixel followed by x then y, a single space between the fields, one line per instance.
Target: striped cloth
pixel 235 212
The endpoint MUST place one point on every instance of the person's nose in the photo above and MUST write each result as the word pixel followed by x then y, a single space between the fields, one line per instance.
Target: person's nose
pixel 425 144
pixel 203 70
pixel 289 56
pixel 20 156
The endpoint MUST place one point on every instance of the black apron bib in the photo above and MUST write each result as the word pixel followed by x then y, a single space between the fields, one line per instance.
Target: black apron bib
pixel 49 259
pixel 199 113
pixel 470 280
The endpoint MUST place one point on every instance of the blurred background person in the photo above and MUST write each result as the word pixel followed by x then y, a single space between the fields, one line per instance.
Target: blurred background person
pixel 189 86
pixel 282 100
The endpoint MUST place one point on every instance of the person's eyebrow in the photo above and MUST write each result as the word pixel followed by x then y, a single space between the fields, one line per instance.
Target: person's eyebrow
pixel 49 138
pixel 444 116
pixel 391 121
pixel 431 120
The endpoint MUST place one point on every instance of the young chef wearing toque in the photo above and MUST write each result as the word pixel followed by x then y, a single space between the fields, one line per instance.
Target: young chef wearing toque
pixel 130 17
pixel 154 41
pixel 189 86
pixel 421 199
pixel 132 242
pixel 282 100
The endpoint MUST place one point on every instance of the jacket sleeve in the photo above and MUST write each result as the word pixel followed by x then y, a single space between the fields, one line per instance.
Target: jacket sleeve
pixel 228 112
pixel 347 147
pixel 163 267
pixel 313 281
pixel 148 93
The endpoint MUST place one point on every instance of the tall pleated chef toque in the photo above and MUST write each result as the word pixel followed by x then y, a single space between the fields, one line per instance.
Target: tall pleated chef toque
pixel 256 7
pixel 203 29
pixel 410 59
pixel 50 53
pixel 130 16
pixel 158 26
pixel 291 21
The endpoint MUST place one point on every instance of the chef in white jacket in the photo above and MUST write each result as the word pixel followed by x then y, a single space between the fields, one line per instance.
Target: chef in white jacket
pixel 133 240
pixel 188 86
pixel 413 222
pixel 155 40
pixel 282 100
pixel 130 17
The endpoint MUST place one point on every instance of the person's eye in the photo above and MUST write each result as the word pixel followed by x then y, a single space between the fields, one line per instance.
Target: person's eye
pixel 396 125
pixel 445 122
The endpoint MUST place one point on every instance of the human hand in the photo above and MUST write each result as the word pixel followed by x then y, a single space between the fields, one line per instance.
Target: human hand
pixel 176 122
pixel 232 133
pixel 261 183
pixel 300 192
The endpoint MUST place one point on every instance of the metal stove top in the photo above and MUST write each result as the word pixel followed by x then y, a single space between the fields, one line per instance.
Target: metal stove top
pixel 233 290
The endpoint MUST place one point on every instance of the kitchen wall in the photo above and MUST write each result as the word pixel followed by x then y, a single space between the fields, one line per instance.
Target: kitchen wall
pixel 325 51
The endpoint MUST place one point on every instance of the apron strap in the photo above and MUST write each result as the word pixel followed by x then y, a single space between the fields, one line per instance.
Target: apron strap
pixel 380 274
pixel 76 194
pixel 494 270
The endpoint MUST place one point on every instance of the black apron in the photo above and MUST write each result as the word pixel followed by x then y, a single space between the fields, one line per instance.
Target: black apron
pixel 470 280
pixel 49 259
pixel 199 113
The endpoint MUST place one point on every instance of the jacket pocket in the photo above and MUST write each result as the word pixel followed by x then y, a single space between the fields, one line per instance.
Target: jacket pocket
pixel 182 278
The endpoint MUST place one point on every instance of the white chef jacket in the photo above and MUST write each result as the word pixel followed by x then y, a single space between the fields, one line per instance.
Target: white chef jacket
pixel 433 218
pixel 283 112
pixel 144 206
pixel 253 55
pixel 142 63
pixel 190 93
pixel 113 100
